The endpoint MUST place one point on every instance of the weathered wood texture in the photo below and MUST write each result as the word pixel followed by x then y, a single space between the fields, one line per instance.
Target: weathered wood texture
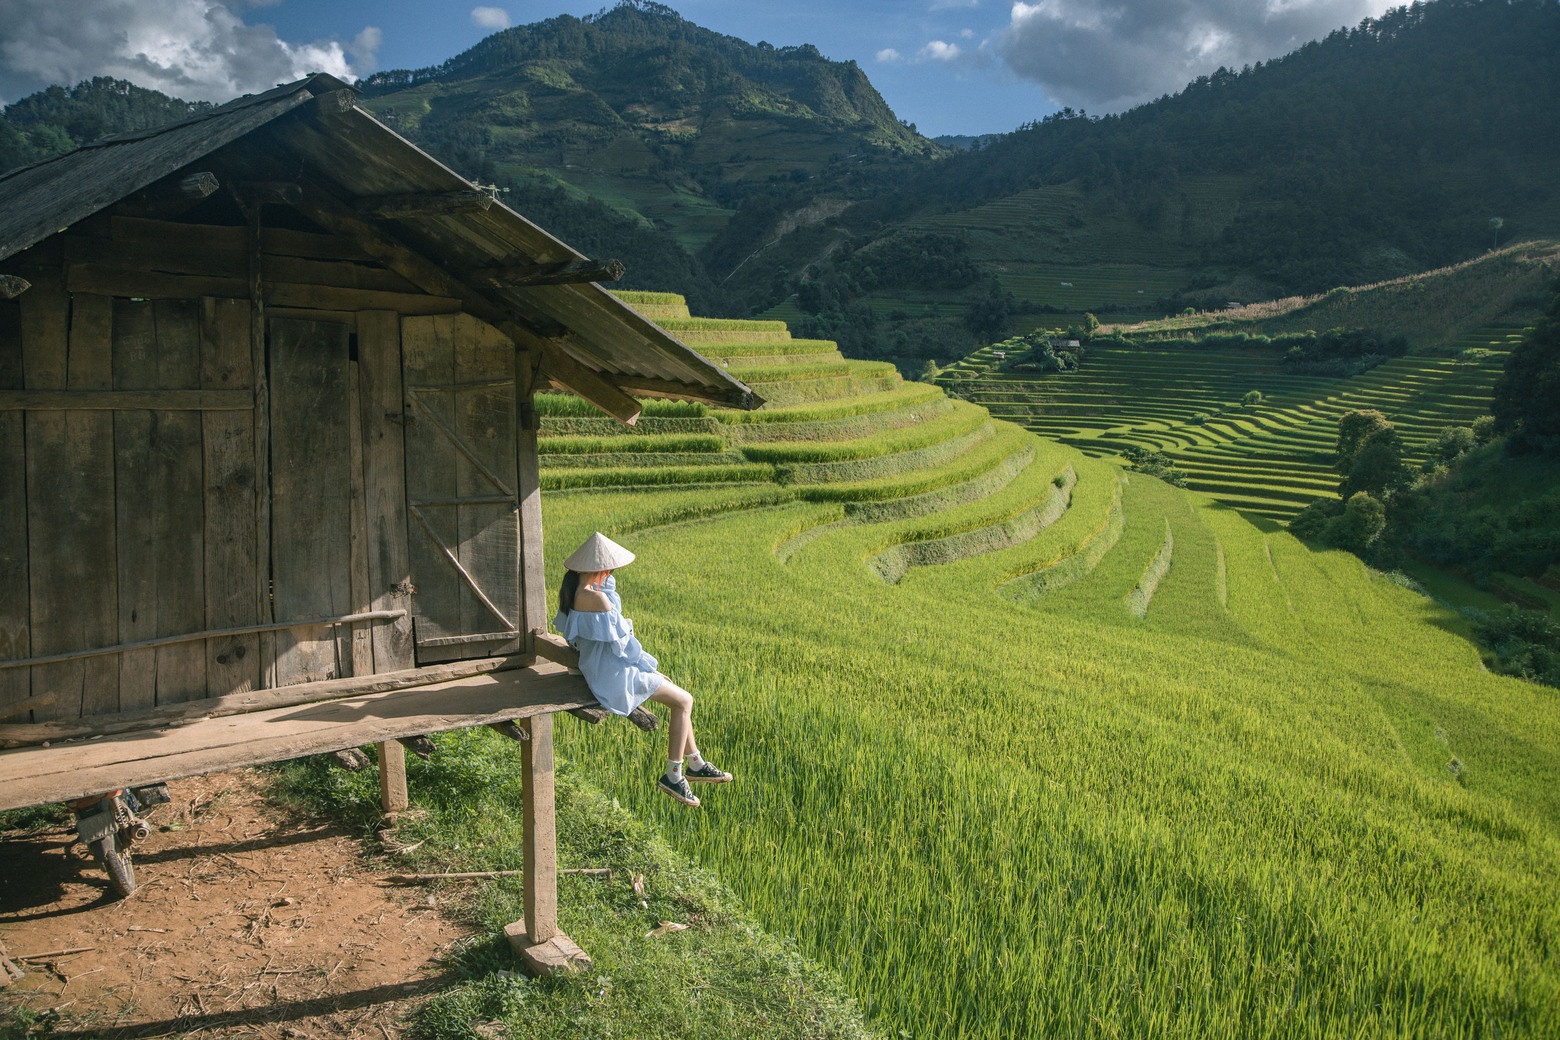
pixel 15 642
pixel 460 471
pixel 384 484
pixel 393 797
pixel 25 734
pixel 311 490
pixel 232 662
pixel 161 510
pixel 70 518
pixel 533 578
pixel 39 775
pixel 540 838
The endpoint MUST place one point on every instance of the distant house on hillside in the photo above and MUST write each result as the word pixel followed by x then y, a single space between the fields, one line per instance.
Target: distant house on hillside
pixel 268 469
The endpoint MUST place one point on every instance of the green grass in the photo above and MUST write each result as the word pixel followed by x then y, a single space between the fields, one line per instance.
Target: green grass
pixel 722 976
pixel 1224 819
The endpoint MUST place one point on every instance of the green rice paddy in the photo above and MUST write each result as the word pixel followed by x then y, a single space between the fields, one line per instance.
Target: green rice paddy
pixel 1027 745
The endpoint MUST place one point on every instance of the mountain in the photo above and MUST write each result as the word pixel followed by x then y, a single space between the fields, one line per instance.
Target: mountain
pixel 641 108
pixel 769 181
pixel 59 119
pixel 1408 142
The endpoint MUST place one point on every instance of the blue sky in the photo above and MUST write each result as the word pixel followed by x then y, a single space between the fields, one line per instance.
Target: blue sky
pixel 949 66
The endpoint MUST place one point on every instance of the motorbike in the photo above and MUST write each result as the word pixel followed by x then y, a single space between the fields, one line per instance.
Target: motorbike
pixel 109 824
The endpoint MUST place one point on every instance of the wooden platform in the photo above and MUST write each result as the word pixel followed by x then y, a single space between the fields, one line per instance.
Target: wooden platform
pixel 78 768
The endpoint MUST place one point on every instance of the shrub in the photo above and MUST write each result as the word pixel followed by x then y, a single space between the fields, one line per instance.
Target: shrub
pixel 1359 526
pixel 1453 441
pixel 1524 643
pixel 1310 522
pixel 1251 398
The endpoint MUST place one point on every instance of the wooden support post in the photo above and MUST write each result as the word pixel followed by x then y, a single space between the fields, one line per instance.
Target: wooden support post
pixel 541 839
pixel 535 937
pixel 392 778
pixel 533 580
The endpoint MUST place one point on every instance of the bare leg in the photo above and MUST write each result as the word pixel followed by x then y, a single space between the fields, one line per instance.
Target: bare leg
pixel 679 736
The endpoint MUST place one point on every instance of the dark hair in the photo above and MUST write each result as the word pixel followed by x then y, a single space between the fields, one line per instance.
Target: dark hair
pixel 567 591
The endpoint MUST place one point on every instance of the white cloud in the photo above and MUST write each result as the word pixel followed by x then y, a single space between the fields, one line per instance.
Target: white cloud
pixel 494 18
pixel 940 50
pixel 193 49
pixel 888 54
pixel 1107 55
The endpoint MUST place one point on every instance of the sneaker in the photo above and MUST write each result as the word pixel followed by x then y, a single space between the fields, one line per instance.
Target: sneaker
pixel 677 789
pixel 706 774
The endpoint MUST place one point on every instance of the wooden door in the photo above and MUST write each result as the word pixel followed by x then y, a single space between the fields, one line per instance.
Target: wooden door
pixel 463 519
pixel 313 485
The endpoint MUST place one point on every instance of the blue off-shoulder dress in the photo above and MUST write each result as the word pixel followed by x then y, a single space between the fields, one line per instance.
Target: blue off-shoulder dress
pixel 615 666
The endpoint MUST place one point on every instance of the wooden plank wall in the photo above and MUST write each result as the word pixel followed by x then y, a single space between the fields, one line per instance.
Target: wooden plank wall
pixel 158 458
pixel 122 521
pixel 311 491
pixel 227 440
pixel 70 512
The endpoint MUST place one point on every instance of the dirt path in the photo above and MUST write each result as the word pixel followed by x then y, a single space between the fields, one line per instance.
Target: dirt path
pixel 247 922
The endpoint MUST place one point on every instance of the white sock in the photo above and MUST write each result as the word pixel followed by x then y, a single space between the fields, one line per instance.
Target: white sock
pixel 695 759
pixel 674 768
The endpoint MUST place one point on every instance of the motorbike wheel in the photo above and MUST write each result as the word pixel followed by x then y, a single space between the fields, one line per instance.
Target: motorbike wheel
pixel 121 875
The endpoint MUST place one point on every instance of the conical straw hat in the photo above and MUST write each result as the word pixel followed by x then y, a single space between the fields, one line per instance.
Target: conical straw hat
pixel 599 553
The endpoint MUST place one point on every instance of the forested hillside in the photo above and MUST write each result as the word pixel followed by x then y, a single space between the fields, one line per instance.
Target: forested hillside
pixel 769 181
pixel 62 118
pixel 1411 141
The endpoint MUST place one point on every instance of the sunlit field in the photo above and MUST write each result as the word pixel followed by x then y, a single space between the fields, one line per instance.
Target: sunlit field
pixel 1028 745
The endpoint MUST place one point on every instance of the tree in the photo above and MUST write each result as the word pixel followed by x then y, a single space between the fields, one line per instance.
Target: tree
pixel 1354 429
pixel 1528 389
pixel 1377 467
pixel 1496 223
pixel 1359 527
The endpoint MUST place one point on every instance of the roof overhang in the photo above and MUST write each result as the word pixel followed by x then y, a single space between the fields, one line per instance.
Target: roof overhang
pixel 347 172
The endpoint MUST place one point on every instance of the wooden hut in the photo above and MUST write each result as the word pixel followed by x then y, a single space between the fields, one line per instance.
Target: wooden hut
pixel 268 469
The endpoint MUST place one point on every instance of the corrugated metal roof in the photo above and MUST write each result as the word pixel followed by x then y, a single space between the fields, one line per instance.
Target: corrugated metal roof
pixel 355 158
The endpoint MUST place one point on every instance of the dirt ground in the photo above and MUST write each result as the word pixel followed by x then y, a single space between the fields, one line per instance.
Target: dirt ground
pixel 247 923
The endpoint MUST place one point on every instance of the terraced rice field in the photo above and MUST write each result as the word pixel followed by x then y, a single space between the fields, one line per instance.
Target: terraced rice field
pixel 1271 457
pixel 1026 745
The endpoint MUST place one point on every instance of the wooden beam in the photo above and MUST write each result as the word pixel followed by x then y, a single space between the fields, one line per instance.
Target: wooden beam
pixel 171 196
pixel 118 400
pixel 565 371
pixel 540 837
pixel 171 236
pixel 12 286
pixel 566 272
pixel 528 480
pixel 425 204
pixel 22 734
pixel 140 283
pixel 252 194
pixel 39 775
pixel 649 386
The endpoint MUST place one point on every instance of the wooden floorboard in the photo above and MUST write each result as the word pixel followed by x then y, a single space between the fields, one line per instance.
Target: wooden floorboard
pixel 75 769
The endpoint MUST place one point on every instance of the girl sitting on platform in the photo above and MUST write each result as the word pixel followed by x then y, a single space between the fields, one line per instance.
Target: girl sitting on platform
pixel 616 667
